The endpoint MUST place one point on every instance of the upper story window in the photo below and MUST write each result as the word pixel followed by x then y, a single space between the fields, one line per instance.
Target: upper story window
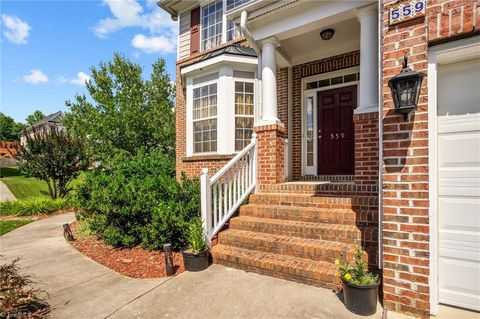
pixel 232 4
pixel 233 31
pixel 212 24
pixel 205 118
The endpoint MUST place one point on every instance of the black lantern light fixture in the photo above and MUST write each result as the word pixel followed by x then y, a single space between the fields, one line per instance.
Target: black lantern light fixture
pixel 327 34
pixel 405 88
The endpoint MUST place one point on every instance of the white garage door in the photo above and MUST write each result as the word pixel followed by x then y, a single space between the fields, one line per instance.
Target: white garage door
pixel 458 142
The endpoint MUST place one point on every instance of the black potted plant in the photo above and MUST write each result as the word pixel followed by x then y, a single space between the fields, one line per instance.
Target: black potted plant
pixel 360 287
pixel 195 256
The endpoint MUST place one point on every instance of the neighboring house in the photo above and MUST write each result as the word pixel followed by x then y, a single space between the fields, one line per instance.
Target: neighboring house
pixel 52 120
pixel 332 165
pixel 7 150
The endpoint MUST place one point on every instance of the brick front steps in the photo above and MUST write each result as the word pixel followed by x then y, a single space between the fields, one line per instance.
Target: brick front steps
pixel 298 236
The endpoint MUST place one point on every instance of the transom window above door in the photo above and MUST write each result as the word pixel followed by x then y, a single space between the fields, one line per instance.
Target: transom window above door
pixel 332 81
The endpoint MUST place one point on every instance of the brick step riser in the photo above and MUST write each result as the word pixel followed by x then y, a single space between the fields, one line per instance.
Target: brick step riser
pixel 329 217
pixel 329 234
pixel 316 254
pixel 320 192
pixel 369 203
pixel 329 281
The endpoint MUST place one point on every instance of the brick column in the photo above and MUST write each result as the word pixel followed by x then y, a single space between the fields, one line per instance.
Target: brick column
pixel 405 176
pixel 271 153
pixel 366 148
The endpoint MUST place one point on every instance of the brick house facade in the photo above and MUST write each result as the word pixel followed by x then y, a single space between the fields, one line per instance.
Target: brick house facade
pixel 406 230
pixel 377 194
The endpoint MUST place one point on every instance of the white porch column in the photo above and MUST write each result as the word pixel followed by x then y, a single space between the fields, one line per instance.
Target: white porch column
pixel 368 60
pixel 269 81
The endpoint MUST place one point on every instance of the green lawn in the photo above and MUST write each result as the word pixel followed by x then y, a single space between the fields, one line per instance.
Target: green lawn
pixel 24 187
pixel 9 225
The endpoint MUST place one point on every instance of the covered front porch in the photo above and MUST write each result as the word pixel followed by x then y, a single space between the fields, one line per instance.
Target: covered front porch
pixel 317 116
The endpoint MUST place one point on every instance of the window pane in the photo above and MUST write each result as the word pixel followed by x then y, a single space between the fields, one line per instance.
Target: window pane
pixel 310 128
pixel 244 114
pixel 212 24
pixel 205 136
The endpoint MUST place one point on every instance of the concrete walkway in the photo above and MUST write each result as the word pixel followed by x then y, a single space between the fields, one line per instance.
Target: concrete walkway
pixel 81 288
pixel 5 194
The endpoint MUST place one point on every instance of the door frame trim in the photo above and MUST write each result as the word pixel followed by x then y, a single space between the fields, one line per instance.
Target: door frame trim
pixel 455 51
pixel 312 170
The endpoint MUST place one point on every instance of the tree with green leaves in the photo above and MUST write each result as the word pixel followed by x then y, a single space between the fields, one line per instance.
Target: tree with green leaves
pixel 9 129
pixel 125 112
pixel 54 156
pixel 35 117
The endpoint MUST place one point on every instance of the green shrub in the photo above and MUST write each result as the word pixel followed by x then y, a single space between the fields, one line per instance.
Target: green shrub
pixel 136 200
pixel 33 206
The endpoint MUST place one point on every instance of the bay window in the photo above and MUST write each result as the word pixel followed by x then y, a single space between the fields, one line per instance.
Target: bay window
pixel 205 118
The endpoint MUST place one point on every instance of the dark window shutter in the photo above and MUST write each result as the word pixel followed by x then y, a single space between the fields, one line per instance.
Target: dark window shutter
pixel 195 31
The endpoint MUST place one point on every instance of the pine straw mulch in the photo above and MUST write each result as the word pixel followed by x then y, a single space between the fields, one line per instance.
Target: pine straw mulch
pixel 134 262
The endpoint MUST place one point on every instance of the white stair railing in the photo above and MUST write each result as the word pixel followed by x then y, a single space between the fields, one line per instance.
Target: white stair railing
pixel 224 192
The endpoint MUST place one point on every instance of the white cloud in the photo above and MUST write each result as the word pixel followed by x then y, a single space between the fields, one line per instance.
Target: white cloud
pixel 15 30
pixel 129 13
pixel 153 44
pixel 79 80
pixel 35 77
pixel 162 29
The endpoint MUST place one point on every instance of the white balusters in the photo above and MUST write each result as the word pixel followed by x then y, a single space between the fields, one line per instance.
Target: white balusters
pixel 222 194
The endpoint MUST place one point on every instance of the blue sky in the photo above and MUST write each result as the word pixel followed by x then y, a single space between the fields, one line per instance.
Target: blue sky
pixel 48 47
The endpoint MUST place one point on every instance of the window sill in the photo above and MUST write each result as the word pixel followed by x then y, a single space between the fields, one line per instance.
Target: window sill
pixel 208 157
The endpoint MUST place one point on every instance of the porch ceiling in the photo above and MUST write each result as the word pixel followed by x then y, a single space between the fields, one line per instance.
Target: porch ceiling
pixel 309 46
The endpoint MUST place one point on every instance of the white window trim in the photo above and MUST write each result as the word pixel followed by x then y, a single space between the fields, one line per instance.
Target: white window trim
pixel 451 52
pixel 195 86
pixel 206 4
pixel 225 107
pixel 224 22
pixel 312 170
pixel 189 114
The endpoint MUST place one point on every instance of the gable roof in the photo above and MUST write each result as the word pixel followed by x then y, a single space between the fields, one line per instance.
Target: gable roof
pixel 54 119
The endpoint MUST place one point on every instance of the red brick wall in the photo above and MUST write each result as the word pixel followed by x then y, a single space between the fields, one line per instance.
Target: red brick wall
pixel 271 154
pixel 405 154
pixel 366 148
pixel 282 96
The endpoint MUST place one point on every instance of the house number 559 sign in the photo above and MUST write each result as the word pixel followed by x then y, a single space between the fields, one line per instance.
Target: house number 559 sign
pixel 406 10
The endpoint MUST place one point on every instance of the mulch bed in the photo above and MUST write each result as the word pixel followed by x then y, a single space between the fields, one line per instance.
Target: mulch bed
pixel 133 262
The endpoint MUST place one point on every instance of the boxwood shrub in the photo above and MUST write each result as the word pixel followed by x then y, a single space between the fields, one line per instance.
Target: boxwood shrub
pixel 136 200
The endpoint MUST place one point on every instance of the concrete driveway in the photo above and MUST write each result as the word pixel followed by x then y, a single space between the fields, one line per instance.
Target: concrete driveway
pixel 81 288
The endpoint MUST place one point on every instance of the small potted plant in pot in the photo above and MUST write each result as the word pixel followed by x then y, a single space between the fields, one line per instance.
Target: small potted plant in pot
pixel 195 256
pixel 360 287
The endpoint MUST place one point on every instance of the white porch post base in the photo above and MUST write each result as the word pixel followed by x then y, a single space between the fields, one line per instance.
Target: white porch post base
pixel 368 101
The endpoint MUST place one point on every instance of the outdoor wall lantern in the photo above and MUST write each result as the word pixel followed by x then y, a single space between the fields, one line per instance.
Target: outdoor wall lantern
pixel 327 34
pixel 405 88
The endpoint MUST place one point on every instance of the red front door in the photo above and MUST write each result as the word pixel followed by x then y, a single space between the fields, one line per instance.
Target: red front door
pixel 336 140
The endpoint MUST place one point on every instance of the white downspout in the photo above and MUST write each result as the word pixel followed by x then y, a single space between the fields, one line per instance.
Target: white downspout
pixel 380 138
pixel 246 33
